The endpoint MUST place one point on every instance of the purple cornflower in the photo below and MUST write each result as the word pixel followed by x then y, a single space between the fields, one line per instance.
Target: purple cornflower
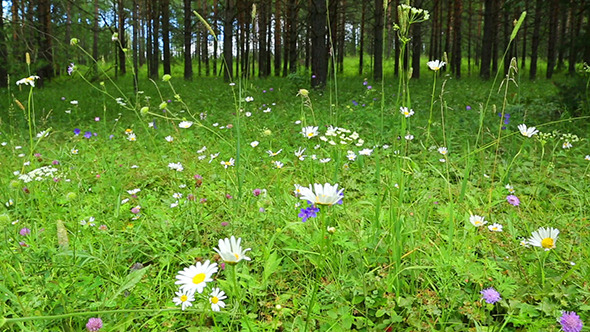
pixel 369 87
pixel 365 82
pixel 468 108
pixel 513 200
pixel 88 134
pixel 308 212
pixel 77 131
pixel 570 322
pixel 256 192
pixel 94 324
pixel 24 231
pixel 490 295
pixel 355 103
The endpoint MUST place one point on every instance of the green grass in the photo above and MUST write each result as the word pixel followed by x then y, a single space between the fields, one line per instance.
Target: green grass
pixel 403 255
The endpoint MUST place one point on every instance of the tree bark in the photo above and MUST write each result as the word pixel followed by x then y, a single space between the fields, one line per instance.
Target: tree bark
pixel 277 39
pixel 487 42
pixel 45 40
pixel 416 45
pixel 378 42
pixel 535 39
pixel 456 66
pixel 362 38
pixel 551 41
pixel 262 31
pixel 122 38
pixel 3 52
pixel 319 54
pixel 165 10
pixel 188 38
pixel 227 40
pixel 135 43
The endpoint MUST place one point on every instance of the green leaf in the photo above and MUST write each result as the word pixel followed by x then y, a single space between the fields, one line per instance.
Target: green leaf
pixel 131 280
pixel 517 26
pixel 272 264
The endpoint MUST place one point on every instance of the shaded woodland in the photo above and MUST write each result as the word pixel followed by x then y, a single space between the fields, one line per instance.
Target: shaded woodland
pixel 311 38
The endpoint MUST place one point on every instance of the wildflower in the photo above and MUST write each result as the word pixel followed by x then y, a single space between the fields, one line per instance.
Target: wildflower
pixel 351 155
pixel 272 154
pixel 299 153
pixel 331 229
pixel 256 192
pixel 176 166
pixel 309 131
pixel 24 231
pixel 326 194
pixel 570 322
pixel 184 298
pixel 435 65
pixel 228 163
pixel 131 137
pixel 442 150
pixel 185 124
pixel 28 80
pixel 587 157
pixel 166 78
pixel 136 210
pixel 409 137
pixel 213 156
pixel 74 151
pixel 308 212
pixel 490 295
pixel 74 102
pixel 77 131
pixel 366 152
pixel 169 138
pixel 216 298
pixel 88 134
pixel 195 277
pixel 513 200
pixel 406 112
pixel 248 114
pixel 231 251
pixel 177 195
pixel 566 145
pixel 325 160
pixel 94 324
pixel 303 92
pixel 544 238
pixel 477 221
pixel 278 164
pixel 528 132
pixel 509 188
pixel 249 99
pixel 495 227
pixel 254 144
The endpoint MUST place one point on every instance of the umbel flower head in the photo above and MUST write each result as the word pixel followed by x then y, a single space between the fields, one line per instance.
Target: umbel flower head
pixel 544 238
pixel 195 277
pixel 231 251
pixel 570 322
pixel 325 194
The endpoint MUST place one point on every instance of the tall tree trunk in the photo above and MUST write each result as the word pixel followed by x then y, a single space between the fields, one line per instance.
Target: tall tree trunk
pixel 165 14
pixel 188 38
pixel 16 30
pixel 205 39
pixel 294 9
pixel 95 33
pixel 553 25
pixel 227 40
pixel 507 23
pixel 262 31
pixel 487 40
pixel 68 36
pixel 524 35
pixel 332 33
pixel 416 45
pixel 341 36
pixel 45 39
pixel 155 39
pixel 497 5
pixel 135 43
pixel 458 10
pixel 469 34
pixel 576 17
pixel 149 35
pixel 535 39
pixel 277 39
pixel 362 37
pixel 563 33
pixel 216 31
pixel 319 55
pixel 3 52
pixel 122 38
pixel 378 42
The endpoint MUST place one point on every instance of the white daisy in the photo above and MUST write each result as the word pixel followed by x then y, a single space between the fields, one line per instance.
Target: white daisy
pixel 195 277
pixel 184 298
pixel 566 145
pixel 544 238
pixel 278 164
pixel 528 132
pixel 272 154
pixel 169 138
pixel 435 65
pixel 228 163
pixel 477 221
pixel 254 144
pixel 28 80
pixel 213 156
pixel 495 227
pixel 299 153
pixel 203 149
pixel 249 99
pixel 185 124
pixel 366 152
pixel 131 137
pixel 442 150
pixel 326 194
pixel 215 298
pixel 231 251
pixel 309 131
pixel 406 112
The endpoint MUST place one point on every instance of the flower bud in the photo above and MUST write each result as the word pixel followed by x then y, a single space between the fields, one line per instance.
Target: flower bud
pixel 74 41
pixel 166 78
pixel 144 110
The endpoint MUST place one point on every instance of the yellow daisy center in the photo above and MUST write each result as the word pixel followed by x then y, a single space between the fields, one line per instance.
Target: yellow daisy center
pixel 199 278
pixel 183 298
pixel 548 243
pixel 310 134
pixel 237 257
pixel 477 222
pixel 214 299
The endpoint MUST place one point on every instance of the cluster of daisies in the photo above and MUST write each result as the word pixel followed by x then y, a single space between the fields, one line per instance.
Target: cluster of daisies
pixel 194 279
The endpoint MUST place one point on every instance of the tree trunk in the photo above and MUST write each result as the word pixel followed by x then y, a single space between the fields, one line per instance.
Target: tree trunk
pixel 378 42
pixel 165 10
pixel 277 39
pixel 135 43
pixel 148 38
pixel 45 39
pixel 576 18
pixel 156 39
pixel 205 39
pixel 341 36
pixel 95 33
pixel 188 38
pixel 551 41
pixel 262 31
pixel 227 40
pixel 3 52
pixel 293 7
pixel 416 45
pixel 319 55
pixel 362 37
pixel 524 35
pixel 458 10
pixel 535 39
pixel 486 45
pixel 564 25
pixel 122 38
pixel 216 31
pixel 496 6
